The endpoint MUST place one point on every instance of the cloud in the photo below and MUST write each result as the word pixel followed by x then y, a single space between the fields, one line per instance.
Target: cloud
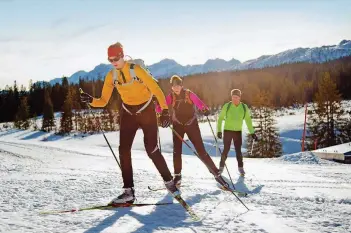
pixel 59 22
pixel 58 37
pixel 85 30
pixel 7 39
pixel 22 39
pixel 52 58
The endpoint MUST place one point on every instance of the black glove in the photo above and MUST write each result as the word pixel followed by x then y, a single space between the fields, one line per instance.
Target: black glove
pixel 86 98
pixel 165 119
pixel 206 112
pixel 219 135
pixel 254 137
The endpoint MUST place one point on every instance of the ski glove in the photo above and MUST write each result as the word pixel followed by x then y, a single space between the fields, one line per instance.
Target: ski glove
pixel 165 118
pixel 206 112
pixel 86 98
pixel 219 135
pixel 254 137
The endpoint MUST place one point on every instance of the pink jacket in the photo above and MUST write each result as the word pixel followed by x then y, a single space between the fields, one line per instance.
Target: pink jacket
pixel 196 100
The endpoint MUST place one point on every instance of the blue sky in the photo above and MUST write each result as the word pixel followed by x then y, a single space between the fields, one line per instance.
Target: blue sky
pixel 42 40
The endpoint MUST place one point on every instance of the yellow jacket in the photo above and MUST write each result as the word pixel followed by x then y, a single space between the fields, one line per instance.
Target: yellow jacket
pixel 133 94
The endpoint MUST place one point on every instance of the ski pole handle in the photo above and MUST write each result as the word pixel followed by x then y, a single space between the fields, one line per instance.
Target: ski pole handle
pixel 81 92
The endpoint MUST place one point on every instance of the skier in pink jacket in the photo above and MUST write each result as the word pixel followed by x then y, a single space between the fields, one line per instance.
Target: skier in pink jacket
pixel 183 103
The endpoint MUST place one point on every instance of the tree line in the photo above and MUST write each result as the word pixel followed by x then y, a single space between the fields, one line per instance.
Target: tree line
pixel 264 90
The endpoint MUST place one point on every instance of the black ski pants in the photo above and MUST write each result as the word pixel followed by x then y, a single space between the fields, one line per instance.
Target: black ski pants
pixel 129 124
pixel 228 137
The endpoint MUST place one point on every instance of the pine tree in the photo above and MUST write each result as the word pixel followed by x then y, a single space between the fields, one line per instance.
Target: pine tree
pixel 66 125
pixel 96 122
pixel 34 124
pixel 326 116
pixel 82 126
pixel 12 103
pixel 105 124
pixel 77 109
pixel 111 119
pixel 269 144
pixel 22 115
pixel 77 119
pixel 89 124
pixel 48 116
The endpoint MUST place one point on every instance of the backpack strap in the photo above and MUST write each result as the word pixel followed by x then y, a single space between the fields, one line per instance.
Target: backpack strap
pixel 173 99
pixel 228 106
pixel 134 78
pixel 132 72
pixel 115 77
pixel 187 96
pixel 244 106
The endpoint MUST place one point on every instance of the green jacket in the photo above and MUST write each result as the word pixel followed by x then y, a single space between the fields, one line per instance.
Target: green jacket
pixel 234 118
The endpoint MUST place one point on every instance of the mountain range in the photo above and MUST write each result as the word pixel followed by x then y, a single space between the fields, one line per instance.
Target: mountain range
pixel 167 67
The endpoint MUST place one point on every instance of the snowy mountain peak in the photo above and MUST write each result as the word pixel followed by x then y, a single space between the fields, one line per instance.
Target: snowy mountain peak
pixel 167 61
pixel 167 67
pixel 345 44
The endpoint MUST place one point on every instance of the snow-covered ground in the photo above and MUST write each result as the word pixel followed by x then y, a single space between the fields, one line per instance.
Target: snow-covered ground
pixel 40 171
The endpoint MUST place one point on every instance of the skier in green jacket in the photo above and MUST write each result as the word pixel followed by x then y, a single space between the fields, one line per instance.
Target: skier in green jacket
pixel 234 113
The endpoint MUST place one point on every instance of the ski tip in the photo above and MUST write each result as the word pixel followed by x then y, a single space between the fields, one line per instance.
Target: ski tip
pixel 193 219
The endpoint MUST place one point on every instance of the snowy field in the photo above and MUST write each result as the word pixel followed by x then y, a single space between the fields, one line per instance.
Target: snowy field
pixel 294 193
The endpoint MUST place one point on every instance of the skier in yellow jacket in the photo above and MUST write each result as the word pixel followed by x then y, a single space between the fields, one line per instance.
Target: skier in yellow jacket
pixel 136 88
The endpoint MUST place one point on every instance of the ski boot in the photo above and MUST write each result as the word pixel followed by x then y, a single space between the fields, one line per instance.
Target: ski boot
pixel 177 180
pixel 221 181
pixel 126 197
pixel 172 189
pixel 241 171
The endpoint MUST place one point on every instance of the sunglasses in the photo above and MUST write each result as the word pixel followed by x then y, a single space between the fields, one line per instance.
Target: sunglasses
pixel 114 59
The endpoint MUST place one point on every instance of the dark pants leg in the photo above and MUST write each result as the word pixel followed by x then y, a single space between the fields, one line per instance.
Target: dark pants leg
pixel 228 136
pixel 128 129
pixel 237 145
pixel 227 141
pixel 148 123
pixel 177 148
pixel 129 125
pixel 194 134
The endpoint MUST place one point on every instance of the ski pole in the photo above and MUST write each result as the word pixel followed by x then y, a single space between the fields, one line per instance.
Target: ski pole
pixel 158 135
pixel 99 127
pixel 208 120
pixel 177 134
pixel 202 160
pixel 252 145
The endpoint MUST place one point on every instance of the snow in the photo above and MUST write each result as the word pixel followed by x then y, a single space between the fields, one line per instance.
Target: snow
pixel 294 193
pixel 342 148
pixel 302 158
